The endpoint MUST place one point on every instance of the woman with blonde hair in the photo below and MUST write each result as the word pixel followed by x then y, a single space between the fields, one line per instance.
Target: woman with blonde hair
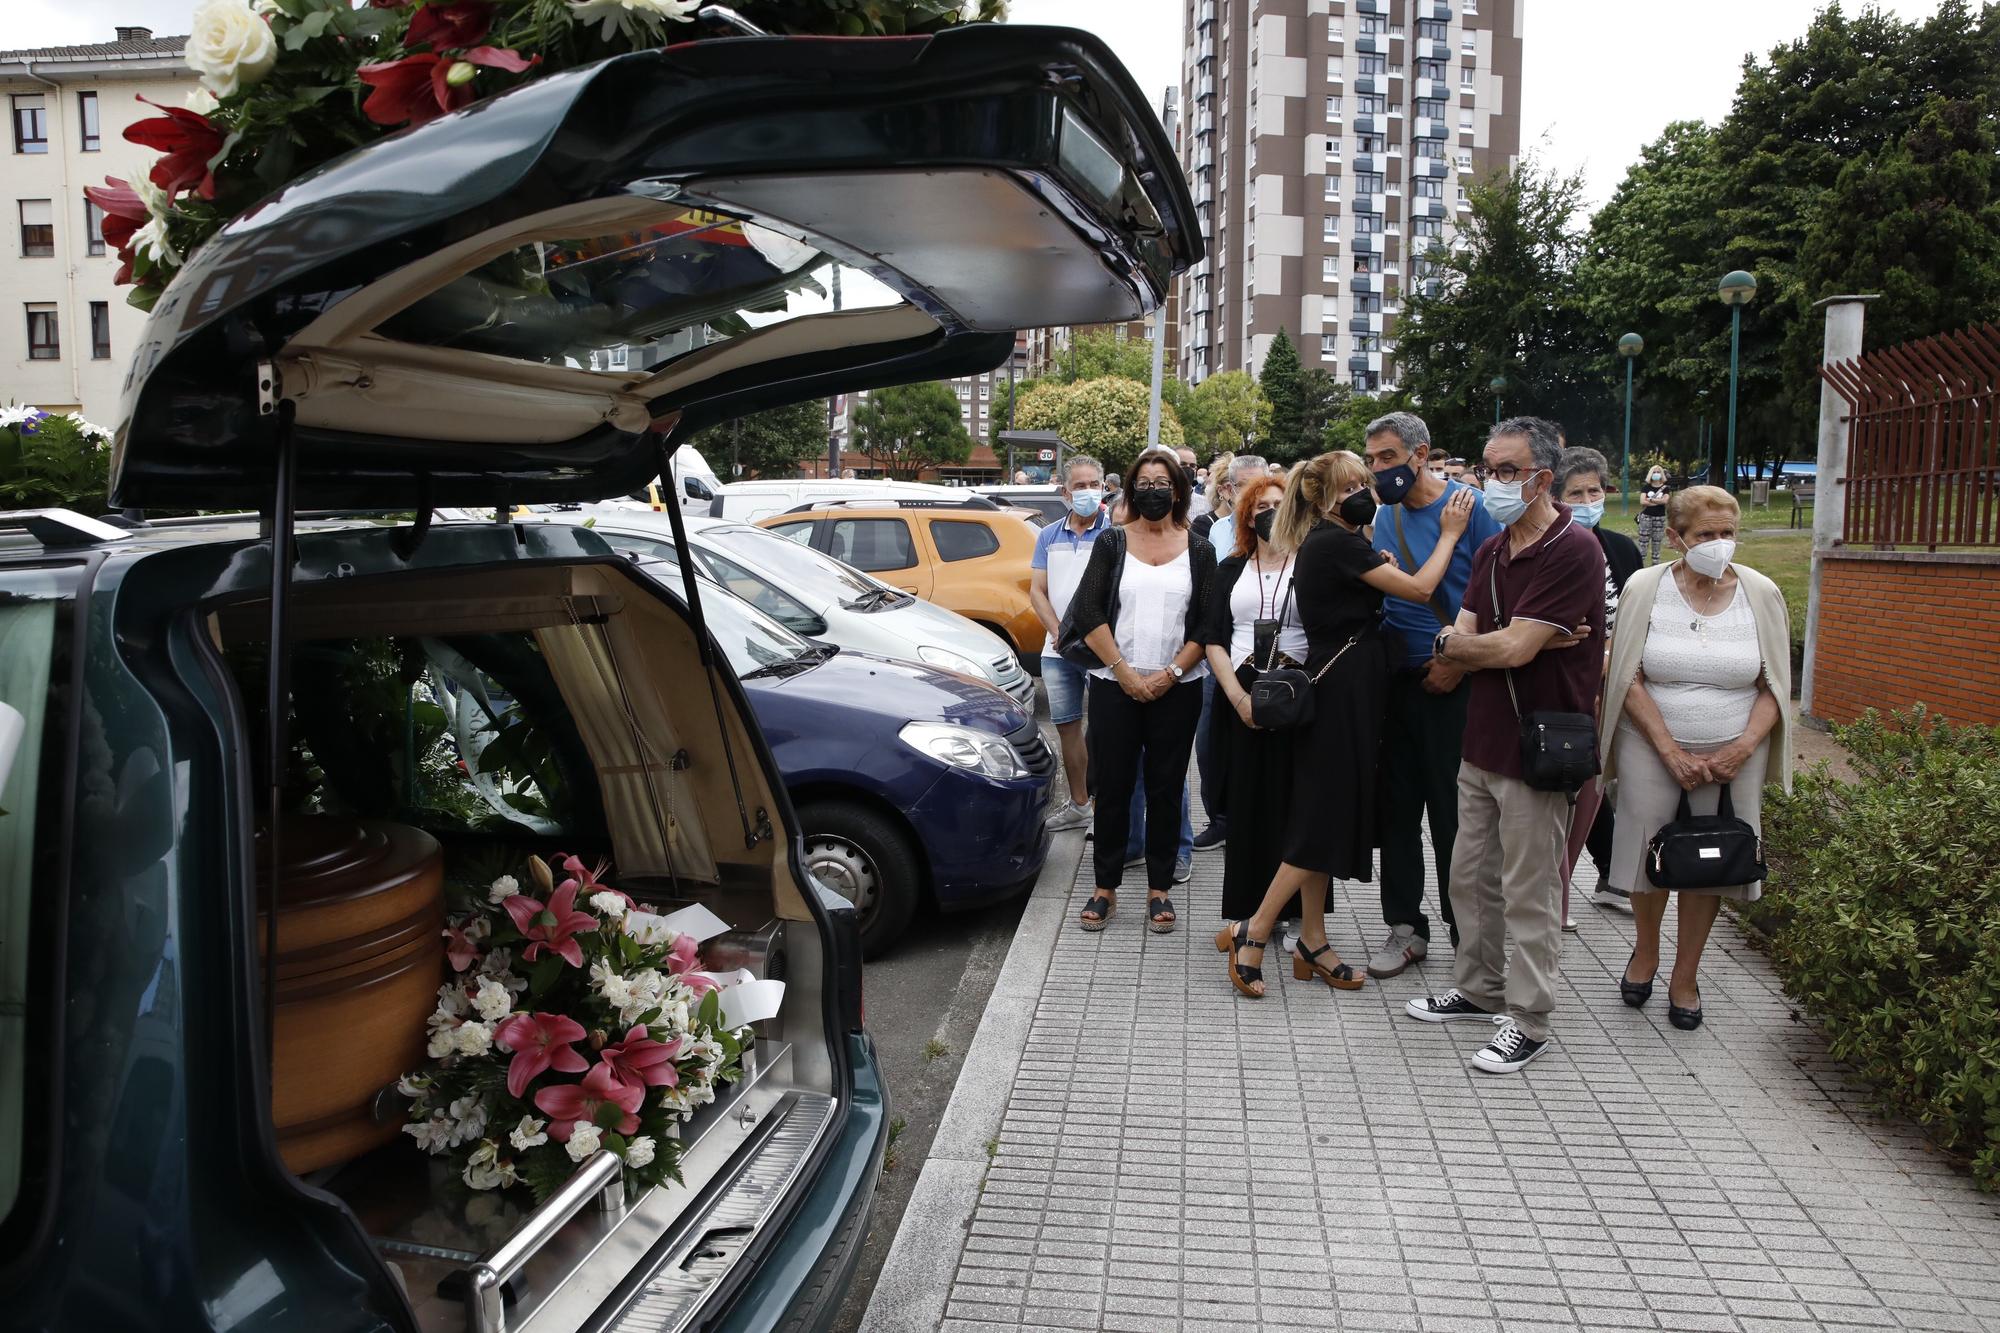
pixel 1337 584
pixel 1694 703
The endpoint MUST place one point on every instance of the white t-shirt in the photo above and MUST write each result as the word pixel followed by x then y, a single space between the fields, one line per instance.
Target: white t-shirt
pixel 1152 615
pixel 1262 594
pixel 1702 671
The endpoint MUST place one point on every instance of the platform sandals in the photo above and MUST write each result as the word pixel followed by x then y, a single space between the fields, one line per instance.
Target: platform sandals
pixel 1228 940
pixel 1306 966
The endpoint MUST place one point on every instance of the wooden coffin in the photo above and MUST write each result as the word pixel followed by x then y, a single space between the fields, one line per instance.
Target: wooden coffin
pixel 361 954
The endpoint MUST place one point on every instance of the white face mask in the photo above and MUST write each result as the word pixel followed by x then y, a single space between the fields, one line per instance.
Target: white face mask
pixel 1711 559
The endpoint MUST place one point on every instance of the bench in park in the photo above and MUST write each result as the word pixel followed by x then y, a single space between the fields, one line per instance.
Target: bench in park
pixel 1801 493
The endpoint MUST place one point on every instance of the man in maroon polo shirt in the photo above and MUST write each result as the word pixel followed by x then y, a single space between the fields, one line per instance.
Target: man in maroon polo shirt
pixel 1548 574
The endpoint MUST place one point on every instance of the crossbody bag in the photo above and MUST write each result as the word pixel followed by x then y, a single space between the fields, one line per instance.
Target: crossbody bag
pixel 1281 698
pixel 1558 750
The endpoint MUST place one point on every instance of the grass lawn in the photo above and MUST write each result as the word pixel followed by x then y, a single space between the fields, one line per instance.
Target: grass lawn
pixel 1783 557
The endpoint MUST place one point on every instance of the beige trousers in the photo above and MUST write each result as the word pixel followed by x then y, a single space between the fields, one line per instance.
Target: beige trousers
pixel 1506 879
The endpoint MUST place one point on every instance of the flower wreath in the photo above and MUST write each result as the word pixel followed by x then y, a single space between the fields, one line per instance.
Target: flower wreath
pixel 290 84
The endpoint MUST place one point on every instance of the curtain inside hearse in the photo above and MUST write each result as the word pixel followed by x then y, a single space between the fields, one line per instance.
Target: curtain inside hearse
pixel 27 648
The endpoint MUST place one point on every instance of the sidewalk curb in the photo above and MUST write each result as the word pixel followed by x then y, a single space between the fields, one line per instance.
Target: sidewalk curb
pixel 915 1281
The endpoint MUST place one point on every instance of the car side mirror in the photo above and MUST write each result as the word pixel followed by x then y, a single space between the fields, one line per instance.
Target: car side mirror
pixel 697 489
pixel 810 626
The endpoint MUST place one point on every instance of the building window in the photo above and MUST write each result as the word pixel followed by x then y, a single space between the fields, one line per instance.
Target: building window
pixel 44 344
pixel 1433 30
pixel 1373 25
pixel 1329 228
pixel 1369 143
pixel 38 229
pixel 1368 303
pixel 1465 161
pixel 1430 187
pixel 1332 189
pixel 1431 69
pixel 100 330
pixel 1465 119
pixel 1373 62
pixel 1333 74
pixel 1367 224
pixel 1329 269
pixel 1333 151
pixel 1366 381
pixel 1430 148
pixel 1431 229
pixel 1465 78
pixel 1469 7
pixel 93 228
pixel 1367 182
pixel 1371 104
pixel 1333 108
pixel 1430 108
pixel 1329 346
pixel 31 123
pixel 1336 31
pixel 1367 261
pixel 1367 342
pixel 86 116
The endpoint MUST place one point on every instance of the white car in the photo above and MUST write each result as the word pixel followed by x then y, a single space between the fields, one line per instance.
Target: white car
pixel 815 595
pixel 748 501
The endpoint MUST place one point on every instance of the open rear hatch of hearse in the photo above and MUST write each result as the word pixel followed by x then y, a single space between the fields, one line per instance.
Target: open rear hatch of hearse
pixel 527 302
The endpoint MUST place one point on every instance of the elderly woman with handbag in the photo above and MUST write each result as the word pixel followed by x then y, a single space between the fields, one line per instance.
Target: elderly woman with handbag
pixel 1333 704
pixel 1693 723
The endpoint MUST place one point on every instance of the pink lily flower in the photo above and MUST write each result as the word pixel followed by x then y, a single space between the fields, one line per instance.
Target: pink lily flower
pixel 540 1042
pixel 589 881
pixel 567 1103
pixel 552 927
pixel 683 954
pixel 639 1061
pixel 460 948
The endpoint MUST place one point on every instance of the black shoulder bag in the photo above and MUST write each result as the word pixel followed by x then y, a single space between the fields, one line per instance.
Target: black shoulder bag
pixel 1281 698
pixel 1717 851
pixel 1558 750
pixel 1069 644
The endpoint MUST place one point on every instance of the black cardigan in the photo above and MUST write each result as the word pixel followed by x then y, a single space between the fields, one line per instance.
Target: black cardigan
pixel 1091 606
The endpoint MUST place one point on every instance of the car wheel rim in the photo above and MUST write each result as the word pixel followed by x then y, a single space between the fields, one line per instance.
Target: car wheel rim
pixel 847 870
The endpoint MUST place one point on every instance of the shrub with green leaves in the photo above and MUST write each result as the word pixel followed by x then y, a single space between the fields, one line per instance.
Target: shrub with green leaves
pixel 1887 912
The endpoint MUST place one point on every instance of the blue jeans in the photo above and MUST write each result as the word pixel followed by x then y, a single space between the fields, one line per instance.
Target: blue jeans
pixel 1204 760
pixel 1135 845
pixel 1065 684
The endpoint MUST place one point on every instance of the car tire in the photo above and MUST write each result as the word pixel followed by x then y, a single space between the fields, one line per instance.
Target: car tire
pixel 862 855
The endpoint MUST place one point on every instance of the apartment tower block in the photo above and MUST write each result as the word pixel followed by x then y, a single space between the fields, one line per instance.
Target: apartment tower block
pixel 1329 144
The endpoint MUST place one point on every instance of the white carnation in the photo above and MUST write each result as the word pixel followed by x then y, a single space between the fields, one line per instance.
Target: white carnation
pixel 584 1140
pixel 639 1152
pixel 633 18
pixel 442 1043
pixel 503 888
pixel 494 1000
pixel 528 1134
pixel 473 1039
pixel 610 904
pixel 230 46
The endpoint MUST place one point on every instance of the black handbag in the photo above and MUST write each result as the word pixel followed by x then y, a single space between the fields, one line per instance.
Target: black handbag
pixel 1282 699
pixel 1717 851
pixel 1070 645
pixel 1558 750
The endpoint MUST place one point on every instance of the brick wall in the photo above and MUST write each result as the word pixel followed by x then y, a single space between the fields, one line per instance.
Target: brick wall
pixel 1898 629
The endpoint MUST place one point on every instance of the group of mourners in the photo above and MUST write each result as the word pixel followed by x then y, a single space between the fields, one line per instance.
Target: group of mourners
pixel 1365 645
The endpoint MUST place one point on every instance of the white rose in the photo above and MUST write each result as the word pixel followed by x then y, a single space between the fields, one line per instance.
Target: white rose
pixel 494 1000
pixel 610 904
pixel 584 1140
pixel 528 1134
pixel 473 1039
pixel 639 1152
pixel 199 100
pixel 230 46
pixel 503 888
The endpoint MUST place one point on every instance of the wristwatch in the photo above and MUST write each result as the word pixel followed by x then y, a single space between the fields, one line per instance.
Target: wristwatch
pixel 1176 669
pixel 1437 644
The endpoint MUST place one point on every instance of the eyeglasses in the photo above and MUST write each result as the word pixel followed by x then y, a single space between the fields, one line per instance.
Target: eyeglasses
pixel 1506 474
pixel 1152 485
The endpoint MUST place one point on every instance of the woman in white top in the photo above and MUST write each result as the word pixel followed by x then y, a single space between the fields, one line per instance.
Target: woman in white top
pixel 1700 674
pixel 1140 607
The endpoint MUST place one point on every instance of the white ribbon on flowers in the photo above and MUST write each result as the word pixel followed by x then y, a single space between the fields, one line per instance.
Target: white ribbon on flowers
pixel 696 922
pixel 744 997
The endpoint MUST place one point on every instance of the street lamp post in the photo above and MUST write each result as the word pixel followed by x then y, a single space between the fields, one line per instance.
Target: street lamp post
pixel 1735 291
pixel 1499 386
pixel 1629 347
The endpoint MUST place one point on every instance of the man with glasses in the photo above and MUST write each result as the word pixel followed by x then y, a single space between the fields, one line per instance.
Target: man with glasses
pixel 1425 725
pixel 1536 592
pixel 1061 552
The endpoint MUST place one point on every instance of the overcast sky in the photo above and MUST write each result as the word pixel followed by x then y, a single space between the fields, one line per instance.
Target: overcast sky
pixel 1602 78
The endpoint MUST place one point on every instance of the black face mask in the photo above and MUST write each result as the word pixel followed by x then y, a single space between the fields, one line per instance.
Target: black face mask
pixel 1154 503
pixel 1358 509
pixel 1263 522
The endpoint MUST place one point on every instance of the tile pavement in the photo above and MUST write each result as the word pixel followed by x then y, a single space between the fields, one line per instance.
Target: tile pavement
pixel 1173 1157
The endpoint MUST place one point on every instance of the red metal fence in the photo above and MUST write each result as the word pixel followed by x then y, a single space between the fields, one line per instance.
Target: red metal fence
pixel 1923 441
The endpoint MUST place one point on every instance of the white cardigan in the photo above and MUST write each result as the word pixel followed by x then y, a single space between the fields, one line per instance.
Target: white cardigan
pixel 1628 651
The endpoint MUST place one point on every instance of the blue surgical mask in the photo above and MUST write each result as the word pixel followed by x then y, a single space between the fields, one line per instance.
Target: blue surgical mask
pixel 1086 503
pixel 1589 514
pixel 1503 501
pixel 1394 483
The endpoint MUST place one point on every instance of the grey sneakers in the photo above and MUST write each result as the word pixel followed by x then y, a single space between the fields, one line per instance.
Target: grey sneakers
pixel 1403 947
pixel 1070 816
pixel 1616 899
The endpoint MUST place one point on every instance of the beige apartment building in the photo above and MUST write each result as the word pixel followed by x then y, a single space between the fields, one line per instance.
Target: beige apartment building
pixel 65 329
pixel 1328 145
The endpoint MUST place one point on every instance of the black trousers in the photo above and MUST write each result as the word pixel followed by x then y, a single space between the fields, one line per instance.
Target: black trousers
pixel 1421 748
pixel 1120 728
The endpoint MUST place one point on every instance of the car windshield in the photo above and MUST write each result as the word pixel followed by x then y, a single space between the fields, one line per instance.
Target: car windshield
pixel 799 567
pixel 755 644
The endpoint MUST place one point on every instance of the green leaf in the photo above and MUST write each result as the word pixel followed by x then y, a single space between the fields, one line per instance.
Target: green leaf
pixel 609 1114
pixel 542 973
pixel 306 29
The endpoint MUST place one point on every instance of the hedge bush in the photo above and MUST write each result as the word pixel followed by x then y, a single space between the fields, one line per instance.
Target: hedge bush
pixel 1884 905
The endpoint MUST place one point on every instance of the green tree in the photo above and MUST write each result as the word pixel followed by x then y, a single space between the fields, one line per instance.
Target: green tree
pixel 1223 412
pixel 1349 428
pixel 1094 356
pixel 767 444
pixel 908 428
pixel 49 461
pixel 1105 418
pixel 1323 401
pixel 1283 436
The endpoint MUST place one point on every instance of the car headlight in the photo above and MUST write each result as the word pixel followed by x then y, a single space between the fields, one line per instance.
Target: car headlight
pixel 962 747
pixel 944 659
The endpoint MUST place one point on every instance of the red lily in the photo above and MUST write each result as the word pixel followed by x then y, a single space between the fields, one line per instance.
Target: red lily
pixel 418 88
pixel 450 27
pixel 188 142
pixel 639 1061
pixel 553 927
pixel 124 213
pixel 567 1103
pixel 540 1042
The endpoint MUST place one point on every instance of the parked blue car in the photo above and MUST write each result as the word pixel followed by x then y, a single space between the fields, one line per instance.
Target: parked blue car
pixel 910 782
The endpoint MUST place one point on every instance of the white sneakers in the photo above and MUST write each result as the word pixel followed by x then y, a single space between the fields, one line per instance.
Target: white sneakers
pixel 1070 816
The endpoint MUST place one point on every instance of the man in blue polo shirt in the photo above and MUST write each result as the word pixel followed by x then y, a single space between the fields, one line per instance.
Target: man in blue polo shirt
pixel 1061 552
pixel 1424 730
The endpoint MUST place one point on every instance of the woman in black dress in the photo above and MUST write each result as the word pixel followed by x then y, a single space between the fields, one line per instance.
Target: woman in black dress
pixel 1339 581
pixel 1253 584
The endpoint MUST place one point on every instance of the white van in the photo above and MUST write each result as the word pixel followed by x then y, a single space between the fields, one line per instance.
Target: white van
pixel 748 501
pixel 698 484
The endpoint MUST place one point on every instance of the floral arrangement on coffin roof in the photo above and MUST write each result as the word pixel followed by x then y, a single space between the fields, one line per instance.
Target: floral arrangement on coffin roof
pixel 290 84
pixel 575 1022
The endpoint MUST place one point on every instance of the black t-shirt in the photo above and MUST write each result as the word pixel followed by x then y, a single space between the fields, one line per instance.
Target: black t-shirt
pixel 1333 602
pixel 1653 501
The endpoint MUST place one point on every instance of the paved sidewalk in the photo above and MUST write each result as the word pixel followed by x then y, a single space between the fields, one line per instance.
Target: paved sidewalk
pixel 1166 1156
